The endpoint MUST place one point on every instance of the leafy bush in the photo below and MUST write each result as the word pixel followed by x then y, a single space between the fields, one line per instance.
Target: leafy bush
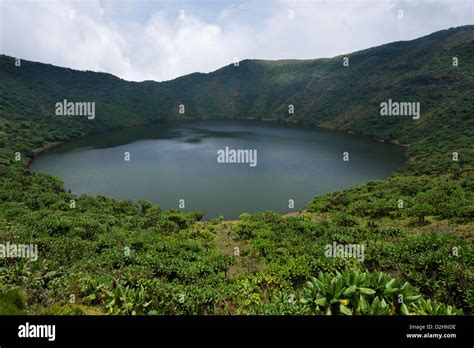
pixel 353 292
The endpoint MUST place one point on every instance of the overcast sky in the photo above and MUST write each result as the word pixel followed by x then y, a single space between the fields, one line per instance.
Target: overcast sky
pixel 161 40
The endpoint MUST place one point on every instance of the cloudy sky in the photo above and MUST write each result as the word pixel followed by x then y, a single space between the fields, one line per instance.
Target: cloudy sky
pixel 160 40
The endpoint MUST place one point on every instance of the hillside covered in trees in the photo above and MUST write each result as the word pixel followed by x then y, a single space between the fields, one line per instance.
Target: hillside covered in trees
pixel 100 256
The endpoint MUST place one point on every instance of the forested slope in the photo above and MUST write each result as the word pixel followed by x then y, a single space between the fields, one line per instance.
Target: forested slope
pixel 323 92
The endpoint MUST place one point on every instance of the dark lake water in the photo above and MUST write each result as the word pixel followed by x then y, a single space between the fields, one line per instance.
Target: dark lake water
pixel 178 160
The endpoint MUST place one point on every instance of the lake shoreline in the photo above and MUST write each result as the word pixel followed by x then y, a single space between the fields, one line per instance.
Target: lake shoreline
pixel 48 146
pixel 307 137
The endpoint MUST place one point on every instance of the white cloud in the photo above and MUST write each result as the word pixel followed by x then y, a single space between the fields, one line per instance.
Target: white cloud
pixel 165 47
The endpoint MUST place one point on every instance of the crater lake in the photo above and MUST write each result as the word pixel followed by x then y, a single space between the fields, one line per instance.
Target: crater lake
pixel 173 161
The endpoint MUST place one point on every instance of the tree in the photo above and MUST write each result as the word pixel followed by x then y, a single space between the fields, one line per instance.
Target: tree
pixel 421 210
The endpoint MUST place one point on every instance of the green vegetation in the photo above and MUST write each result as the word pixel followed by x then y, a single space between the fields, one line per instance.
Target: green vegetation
pixel 103 256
